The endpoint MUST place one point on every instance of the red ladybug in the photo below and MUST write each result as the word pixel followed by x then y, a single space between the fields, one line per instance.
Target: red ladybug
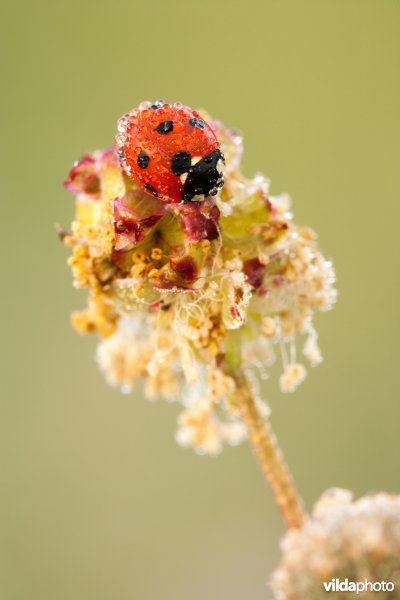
pixel 171 152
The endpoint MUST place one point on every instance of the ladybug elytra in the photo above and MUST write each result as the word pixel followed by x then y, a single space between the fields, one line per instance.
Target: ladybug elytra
pixel 171 152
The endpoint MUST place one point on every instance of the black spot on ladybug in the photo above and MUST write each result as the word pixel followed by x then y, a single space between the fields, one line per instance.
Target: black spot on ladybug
pixel 151 189
pixel 157 104
pixel 143 160
pixel 204 178
pixel 197 123
pixel 165 127
pixel 180 163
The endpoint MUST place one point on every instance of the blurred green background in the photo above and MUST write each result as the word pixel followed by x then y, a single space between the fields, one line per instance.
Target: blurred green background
pixel 97 500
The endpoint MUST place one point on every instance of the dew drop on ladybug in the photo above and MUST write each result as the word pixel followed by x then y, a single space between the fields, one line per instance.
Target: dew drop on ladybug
pixel 171 152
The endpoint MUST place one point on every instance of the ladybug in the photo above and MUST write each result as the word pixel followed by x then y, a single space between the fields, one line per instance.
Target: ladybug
pixel 171 152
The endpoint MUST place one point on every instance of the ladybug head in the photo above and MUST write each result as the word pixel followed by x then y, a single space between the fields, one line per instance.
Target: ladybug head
pixel 204 177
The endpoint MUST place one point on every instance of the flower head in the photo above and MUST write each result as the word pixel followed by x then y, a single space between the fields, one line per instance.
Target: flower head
pixel 181 293
pixel 344 539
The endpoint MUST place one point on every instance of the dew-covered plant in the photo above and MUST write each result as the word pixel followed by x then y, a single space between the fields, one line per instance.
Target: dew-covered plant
pixel 195 300
pixel 344 544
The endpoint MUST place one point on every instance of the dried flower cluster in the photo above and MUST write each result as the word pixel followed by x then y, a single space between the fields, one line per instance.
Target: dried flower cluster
pixel 343 539
pixel 181 294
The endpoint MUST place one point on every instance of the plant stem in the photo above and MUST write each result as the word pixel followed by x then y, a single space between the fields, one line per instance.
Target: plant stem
pixel 268 454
